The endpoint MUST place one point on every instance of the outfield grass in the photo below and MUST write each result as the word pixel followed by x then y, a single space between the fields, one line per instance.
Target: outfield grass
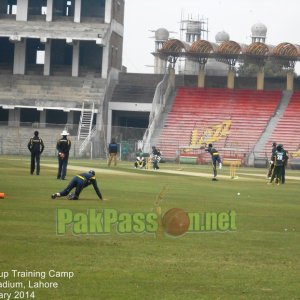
pixel 260 260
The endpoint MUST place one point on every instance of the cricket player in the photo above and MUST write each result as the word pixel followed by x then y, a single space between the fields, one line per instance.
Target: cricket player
pixel 215 159
pixel 79 182
pixel 36 147
pixel 63 147
pixel 278 160
pixel 113 152
pixel 274 145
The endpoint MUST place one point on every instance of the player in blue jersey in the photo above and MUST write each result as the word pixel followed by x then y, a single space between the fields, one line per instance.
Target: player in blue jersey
pixel 216 159
pixel 79 182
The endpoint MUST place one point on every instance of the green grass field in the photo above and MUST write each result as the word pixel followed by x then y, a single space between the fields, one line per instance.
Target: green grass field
pixel 258 260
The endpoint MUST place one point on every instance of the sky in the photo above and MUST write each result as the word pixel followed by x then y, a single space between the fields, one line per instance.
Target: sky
pixel 236 17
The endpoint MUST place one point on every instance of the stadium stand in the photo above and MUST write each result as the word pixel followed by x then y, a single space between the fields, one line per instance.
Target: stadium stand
pixel 287 129
pixel 233 120
pixel 55 88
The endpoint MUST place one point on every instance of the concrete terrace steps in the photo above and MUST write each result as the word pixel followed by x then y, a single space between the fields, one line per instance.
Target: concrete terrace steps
pixel 287 131
pixel 52 88
pixel 56 29
pixel 131 93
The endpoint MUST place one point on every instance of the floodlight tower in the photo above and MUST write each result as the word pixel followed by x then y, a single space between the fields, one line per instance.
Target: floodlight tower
pixel 194 30
pixel 161 36
pixel 259 35
pixel 214 67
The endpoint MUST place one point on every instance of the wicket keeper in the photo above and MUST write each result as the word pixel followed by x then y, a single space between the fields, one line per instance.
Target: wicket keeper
pixel 79 182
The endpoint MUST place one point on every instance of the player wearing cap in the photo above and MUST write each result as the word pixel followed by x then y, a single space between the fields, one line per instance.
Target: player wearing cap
pixel 79 182
pixel 63 147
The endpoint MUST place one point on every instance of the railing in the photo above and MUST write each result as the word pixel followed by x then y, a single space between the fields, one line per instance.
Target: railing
pixel 87 140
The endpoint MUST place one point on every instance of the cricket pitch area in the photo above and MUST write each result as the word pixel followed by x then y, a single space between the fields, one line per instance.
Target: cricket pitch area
pixel 255 258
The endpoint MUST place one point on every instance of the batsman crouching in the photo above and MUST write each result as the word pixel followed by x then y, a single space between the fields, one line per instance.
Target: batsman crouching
pixel 79 182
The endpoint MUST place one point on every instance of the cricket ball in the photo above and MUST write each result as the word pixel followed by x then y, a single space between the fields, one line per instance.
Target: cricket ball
pixel 176 221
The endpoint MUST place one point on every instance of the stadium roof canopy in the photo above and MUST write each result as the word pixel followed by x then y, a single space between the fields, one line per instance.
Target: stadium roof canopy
pixel 174 47
pixel 229 51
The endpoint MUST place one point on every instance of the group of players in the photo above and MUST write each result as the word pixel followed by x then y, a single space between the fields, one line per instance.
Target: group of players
pixel 276 171
pixel 36 146
pixel 79 182
pixel 141 161
pixel 278 163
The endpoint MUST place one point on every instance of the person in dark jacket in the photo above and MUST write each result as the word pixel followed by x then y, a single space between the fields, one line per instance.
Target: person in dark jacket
pixel 112 151
pixel 79 182
pixel 36 147
pixel 155 157
pixel 63 147
pixel 278 160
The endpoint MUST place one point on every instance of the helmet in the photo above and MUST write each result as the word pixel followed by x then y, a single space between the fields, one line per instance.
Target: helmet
pixel 92 172
pixel 210 145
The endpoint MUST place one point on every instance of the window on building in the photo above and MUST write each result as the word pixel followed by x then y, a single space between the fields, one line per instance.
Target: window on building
pixel 29 115
pixel 12 7
pixel 37 7
pixel 44 10
pixel 40 57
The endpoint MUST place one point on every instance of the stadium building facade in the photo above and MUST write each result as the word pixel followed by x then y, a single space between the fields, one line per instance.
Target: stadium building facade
pixel 61 68
pixel 57 58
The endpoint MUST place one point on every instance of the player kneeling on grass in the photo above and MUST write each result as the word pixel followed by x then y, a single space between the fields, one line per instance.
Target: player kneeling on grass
pixel 79 182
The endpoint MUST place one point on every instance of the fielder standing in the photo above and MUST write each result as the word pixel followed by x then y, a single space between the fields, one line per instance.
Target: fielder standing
pixel 36 147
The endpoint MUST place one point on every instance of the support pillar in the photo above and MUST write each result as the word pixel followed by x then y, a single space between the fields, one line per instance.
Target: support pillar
pixel 49 15
pixel 108 9
pixel 77 12
pixel 75 60
pixel 43 118
pixel 14 117
pixel 109 126
pixel 20 57
pixel 260 79
pixel 22 10
pixel 47 62
pixel 201 78
pixel 105 61
pixel 70 119
pixel 230 79
pixel 290 80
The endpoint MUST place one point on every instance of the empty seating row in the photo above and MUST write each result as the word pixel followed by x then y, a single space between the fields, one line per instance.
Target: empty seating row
pixel 200 110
